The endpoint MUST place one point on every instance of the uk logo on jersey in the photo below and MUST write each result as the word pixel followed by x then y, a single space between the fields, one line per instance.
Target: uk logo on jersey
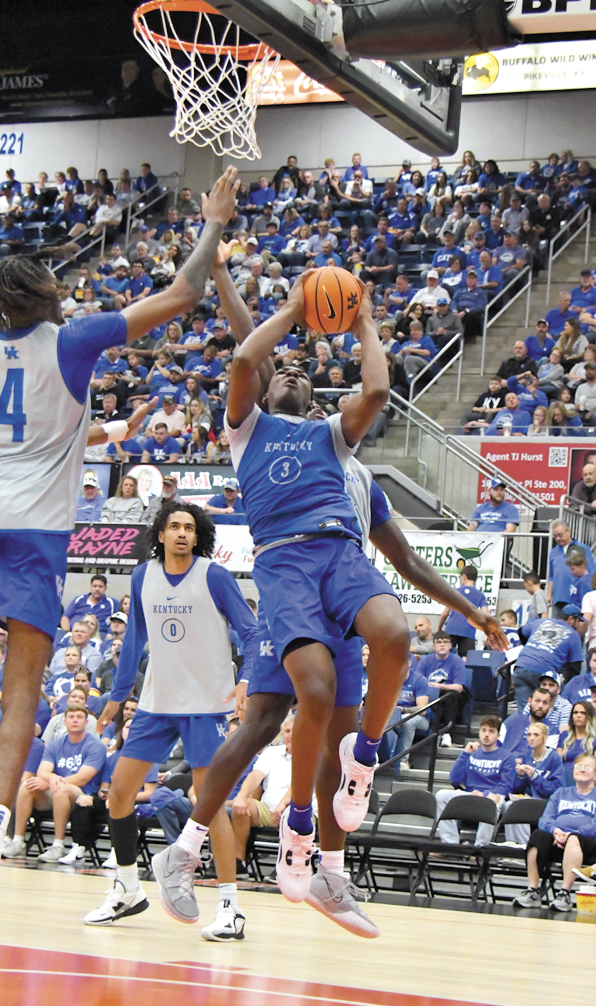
pixel 266 648
pixel 221 729
pixel 59 587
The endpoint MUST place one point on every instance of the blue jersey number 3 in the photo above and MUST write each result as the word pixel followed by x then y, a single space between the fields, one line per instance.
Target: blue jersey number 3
pixel 13 392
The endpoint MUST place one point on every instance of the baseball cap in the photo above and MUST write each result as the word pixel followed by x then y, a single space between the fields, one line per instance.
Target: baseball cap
pixel 542 321
pixel 406 164
pixel 380 237
pixel 169 478
pixel 168 398
pixel 495 483
pixel 512 233
pixel 573 609
pixel 442 300
pixel 219 325
pixel 432 274
pixel 252 241
pixel 174 370
pixel 420 192
pixel 472 272
pixel 121 616
pixel 586 272
pixel 268 206
pixel 91 480
pixel 480 234
pixel 230 484
pixel 550 674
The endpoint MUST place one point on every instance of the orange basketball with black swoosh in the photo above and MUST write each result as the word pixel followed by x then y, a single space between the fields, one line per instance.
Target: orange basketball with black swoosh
pixel 332 299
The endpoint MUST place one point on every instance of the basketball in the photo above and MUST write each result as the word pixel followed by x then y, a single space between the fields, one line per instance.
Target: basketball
pixel 332 299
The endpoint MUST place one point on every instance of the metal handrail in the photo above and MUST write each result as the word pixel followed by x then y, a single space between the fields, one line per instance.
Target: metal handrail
pixel 552 254
pixel 582 524
pixel 164 191
pixel 432 738
pixel 431 363
pixel 486 323
pixel 100 239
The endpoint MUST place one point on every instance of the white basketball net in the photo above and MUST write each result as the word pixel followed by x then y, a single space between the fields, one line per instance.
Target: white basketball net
pixel 216 105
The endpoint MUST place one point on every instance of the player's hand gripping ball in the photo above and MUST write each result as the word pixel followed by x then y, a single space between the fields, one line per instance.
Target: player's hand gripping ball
pixel 332 299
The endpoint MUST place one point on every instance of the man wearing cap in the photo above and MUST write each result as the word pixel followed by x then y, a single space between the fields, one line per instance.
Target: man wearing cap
pixel 223 341
pixel 227 508
pixel 380 264
pixel 528 392
pixel 515 214
pixel 118 624
pixel 96 602
pixel 582 688
pixel 271 243
pixel 168 493
pixel 259 224
pixel 444 323
pixel 473 257
pixel 405 172
pixel 90 503
pixel 540 344
pixel 429 295
pixel 510 257
pixel 552 644
pixel 470 302
pixel 443 255
pixel 559 574
pixel 585 395
pixel 518 420
pixel 557 717
pixel 418 205
pixel 403 223
pixel 584 295
pixel 169 416
pixel 496 514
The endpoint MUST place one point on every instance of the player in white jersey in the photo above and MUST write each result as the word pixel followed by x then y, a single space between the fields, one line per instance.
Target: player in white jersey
pixel 181 604
pixel 45 368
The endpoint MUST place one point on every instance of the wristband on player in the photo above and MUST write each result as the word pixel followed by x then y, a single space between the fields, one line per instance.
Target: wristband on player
pixel 116 431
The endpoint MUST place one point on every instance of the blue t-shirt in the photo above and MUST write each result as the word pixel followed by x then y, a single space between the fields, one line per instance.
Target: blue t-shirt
pixel 379 511
pixel 570 811
pixel 112 760
pixel 579 587
pixel 583 298
pixel 116 285
pixel 552 643
pixel 261 196
pixel 403 221
pixel 549 774
pixel 68 758
pixel 449 671
pixel 559 572
pixel 415 686
pixel 578 689
pixel 536 351
pixel 136 286
pixel 487 771
pixel 89 511
pixel 443 255
pixel 161 452
pixel 424 343
pixel 273 243
pixel 288 343
pixel 210 370
pixel 527 400
pixel 495 518
pixel 456 624
pixel 35 755
pixel 556 320
pixel 104 364
pixel 132 447
pixel 238 517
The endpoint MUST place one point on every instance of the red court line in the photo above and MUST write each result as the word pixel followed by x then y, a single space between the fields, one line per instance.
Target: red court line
pixel 53 978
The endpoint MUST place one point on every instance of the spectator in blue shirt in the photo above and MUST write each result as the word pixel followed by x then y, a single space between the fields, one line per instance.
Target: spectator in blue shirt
pixel 12 181
pixel 272 242
pixel 227 507
pixel 510 257
pixel 380 263
pixel 559 574
pixel 146 180
pixel 433 172
pixel 12 235
pixel 580 688
pixel 173 223
pixel 491 182
pixel 469 302
pixel 517 419
pixel 89 504
pixel 326 255
pixel 528 392
pixel 415 693
pixel 497 514
pixel 482 769
pixel 552 644
pixel 443 255
pixel 357 165
pixel 95 603
pixel 383 230
pixel 161 448
pixel 417 351
pixel 490 277
pixel 403 223
pixel 113 289
pixel 540 344
pixel 258 197
pixel 462 634
pixel 528 181
pixel 399 296
pixel 584 295
pixel 140 284
pixel 110 362
pixel 207 367
pixel 473 256
pixel 387 201
pixel 495 234
pixel 581 583
pixel 446 672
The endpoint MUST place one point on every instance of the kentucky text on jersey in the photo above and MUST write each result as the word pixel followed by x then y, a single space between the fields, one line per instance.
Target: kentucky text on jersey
pixel 304 445
pixel 172 609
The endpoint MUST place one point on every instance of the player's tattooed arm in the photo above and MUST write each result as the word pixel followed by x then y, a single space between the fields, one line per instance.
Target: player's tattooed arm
pixel 362 409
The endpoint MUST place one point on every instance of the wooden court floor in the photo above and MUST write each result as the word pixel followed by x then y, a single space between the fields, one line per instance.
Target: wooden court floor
pixel 292 956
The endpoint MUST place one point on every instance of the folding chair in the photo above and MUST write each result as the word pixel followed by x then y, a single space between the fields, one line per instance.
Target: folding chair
pixel 526 811
pixel 471 811
pixel 405 803
pixel 37 819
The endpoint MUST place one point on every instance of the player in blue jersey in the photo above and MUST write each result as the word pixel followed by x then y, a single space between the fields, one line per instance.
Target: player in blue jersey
pixel 181 604
pixel 45 368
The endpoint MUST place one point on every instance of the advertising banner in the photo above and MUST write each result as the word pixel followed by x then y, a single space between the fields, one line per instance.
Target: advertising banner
pixel 547 468
pixel 196 483
pixel 448 552
pixel 549 66
pixel 290 86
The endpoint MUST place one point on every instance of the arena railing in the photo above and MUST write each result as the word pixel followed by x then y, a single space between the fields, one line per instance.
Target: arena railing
pixel 580 222
pixel 430 739
pixel 430 367
pixel 156 193
pixel 503 301
pixel 582 523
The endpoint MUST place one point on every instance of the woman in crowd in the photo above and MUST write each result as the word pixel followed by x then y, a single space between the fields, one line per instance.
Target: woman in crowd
pixel 125 604
pixel 577 374
pixel 539 773
pixel 551 374
pixel 468 184
pixel 402 328
pixel 490 183
pixel 291 222
pixel 416 182
pixel 563 422
pixel 144 483
pixel 579 738
pixel 219 453
pixel 285 196
pixel 104 181
pixel 113 732
pixel 125 507
pixel 468 163
pixel 457 221
pixel 572 343
pixel 440 189
pixel 432 223
pixel 353 245
pixel 196 451
pixel 159 373
pixel 197 414
pixel 89 305
pixel 539 426
pixel 192 388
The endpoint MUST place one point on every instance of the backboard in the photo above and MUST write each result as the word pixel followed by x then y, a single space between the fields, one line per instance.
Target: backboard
pixel 419 101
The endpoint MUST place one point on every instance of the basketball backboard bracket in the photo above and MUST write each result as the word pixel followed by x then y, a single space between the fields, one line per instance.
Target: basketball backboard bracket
pixel 408 98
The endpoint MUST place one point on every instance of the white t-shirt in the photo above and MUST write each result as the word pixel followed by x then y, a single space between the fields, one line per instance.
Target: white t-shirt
pixel 589 606
pixel 366 187
pixel 174 422
pixel 276 763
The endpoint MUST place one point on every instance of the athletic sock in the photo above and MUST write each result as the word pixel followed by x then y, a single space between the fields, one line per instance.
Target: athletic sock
pixel 129 877
pixel 4 822
pixel 229 892
pixel 300 818
pixel 333 861
pixel 192 837
pixel 365 749
pixel 58 841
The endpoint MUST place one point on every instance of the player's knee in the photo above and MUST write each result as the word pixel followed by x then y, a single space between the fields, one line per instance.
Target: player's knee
pixel 316 698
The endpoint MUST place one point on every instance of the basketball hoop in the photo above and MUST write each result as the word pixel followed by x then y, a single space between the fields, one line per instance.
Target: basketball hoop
pixel 216 79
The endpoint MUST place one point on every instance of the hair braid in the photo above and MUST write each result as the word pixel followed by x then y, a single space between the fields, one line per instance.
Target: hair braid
pixel 25 283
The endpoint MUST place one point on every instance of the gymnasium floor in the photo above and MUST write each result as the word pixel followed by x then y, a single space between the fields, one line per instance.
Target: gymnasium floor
pixel 291 955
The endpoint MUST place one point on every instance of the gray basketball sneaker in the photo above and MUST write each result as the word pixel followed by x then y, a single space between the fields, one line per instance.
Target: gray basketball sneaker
pixel 174 870
pixel 334 895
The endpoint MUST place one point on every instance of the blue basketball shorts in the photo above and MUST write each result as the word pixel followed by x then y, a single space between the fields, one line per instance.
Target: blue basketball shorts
pixel 268 675
pixel 314 590
pixel 32 574
pixel 152 736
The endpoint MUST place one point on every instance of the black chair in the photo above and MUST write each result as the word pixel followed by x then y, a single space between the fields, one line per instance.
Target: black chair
pixel 526 811
pixel 464 857
pixel 404 803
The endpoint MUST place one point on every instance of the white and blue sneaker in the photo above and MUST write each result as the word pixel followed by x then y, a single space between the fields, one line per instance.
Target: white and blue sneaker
pixel 350 803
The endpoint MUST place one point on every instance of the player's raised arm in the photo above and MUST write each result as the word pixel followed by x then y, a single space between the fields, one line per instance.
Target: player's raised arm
pixel 187 289
pixel 358 416
pixel 245 383
pixel 121 429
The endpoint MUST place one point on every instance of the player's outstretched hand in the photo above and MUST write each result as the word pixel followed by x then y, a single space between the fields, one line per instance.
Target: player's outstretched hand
pixel 110 710
pixel 219 205
pixel 492 630
pixel 135 421
pixel 224 252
